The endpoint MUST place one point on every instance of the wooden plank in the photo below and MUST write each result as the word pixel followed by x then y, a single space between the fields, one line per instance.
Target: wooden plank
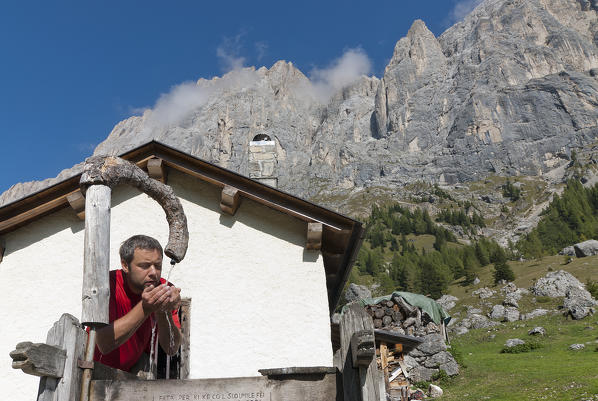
pixel 66 334
pixel 39 359
pixel 96 259
pixel 28 215
pixel 314 236
pixel 230 200
pixel 384 364
pixel 241 388
pixel 156 169
pixel 77 202
pixel 185 319
pixel 359 384
pixel 103 372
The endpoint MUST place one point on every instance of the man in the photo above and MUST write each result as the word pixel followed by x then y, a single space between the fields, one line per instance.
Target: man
pixel 139 299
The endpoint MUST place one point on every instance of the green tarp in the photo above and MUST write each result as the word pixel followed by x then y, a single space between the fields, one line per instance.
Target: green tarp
pixel 428 305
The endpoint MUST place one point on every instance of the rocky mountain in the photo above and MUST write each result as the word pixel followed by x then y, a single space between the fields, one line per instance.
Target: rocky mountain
pixel 510 90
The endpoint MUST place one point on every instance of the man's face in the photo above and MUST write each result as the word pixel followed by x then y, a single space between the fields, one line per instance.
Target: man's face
pixel 145 269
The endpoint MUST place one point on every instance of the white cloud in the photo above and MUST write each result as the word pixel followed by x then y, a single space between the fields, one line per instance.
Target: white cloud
pixel 228 52
pixel 462 9
pixel 343 71
pixel 261 48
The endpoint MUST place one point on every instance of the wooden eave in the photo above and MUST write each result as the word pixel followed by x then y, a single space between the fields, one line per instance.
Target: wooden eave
pixel 341 238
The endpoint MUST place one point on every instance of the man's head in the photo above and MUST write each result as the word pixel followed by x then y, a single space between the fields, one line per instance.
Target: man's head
pixel 141 261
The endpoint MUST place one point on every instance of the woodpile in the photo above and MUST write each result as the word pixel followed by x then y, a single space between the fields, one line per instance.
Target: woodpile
pixel 398 316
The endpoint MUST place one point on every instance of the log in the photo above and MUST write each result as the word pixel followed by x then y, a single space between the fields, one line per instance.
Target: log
pixel 409 309
pixel 359 384
pixel 96 259
pixel 379 313
pixel 77 202
pixel 39 359
pixel 386 320
pixel 66 334
pixel 112 171
pixel 230 200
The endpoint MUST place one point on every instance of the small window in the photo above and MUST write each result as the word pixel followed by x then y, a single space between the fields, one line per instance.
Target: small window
pixel 261 137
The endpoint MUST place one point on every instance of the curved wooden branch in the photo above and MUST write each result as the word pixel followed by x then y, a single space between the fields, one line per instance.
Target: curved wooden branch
pixel 112 171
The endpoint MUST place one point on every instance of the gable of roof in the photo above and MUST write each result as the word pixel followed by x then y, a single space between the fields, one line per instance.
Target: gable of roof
pixel 341 235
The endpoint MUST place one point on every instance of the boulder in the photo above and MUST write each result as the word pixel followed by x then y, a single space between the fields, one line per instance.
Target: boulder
pixel 484 293
pixel 511 314
pixel 568 251
pixel 356 292
pixel 579 303
pixel 434 391
pixel 555 284
pixel 586 248
pixel 512 342
pixel 537 331
pixel 476 281
pixel 511 300
pixel 533 314
pixel 509 288
pixel 451 367
pixel 497 313
pixel 433 344
pixel 576 347
pixel 421 373
pixel 447 302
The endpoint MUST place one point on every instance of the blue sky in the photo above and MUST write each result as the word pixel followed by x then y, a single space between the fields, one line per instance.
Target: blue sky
pixel 71 70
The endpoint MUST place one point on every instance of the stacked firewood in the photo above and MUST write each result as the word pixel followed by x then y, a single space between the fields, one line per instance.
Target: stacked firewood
pixel 397 315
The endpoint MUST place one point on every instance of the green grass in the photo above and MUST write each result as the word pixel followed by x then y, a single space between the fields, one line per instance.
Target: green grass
pixel 551 372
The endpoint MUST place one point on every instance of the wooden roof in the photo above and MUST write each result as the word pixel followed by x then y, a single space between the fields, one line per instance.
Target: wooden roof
pixel 341 235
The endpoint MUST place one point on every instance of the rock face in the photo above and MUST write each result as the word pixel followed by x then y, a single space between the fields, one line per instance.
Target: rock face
pixel 509 90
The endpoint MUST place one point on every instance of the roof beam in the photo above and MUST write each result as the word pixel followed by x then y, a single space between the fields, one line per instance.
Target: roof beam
pixel 230 200
pixel 156 169
pixel 77 202
pixel 314 236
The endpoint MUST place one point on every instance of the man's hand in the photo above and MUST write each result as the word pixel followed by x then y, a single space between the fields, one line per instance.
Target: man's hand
pixel 154 298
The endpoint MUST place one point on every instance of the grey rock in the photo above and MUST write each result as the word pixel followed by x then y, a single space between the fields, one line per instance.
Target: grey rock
pixel 509 288
pixel 497 313
pixel 433 344
pixel 421 373
pixel 533 314
pixel 511 314
pixel 537 331
pixel 568 250
pixel 473 311
pixel 410 362
pixel 511 300
pixel 477 322
pixel 476 281
pixel 586 248
pixel 511 342
pixel 576 347
pixel 336 318
pixel 451 367
pixel 447 302
pixel 356 292
pixel 460 330
pixel 438 359
pixel 434 391
pixel 555 284
pixel 579 303
pixel 484 293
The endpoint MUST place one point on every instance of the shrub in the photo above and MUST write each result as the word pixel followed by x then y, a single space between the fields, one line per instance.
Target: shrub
pixel 543 299
pixel 520 348
pixel 592 287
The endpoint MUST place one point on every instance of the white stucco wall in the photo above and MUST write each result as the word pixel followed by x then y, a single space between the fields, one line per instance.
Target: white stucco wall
pixel 259 298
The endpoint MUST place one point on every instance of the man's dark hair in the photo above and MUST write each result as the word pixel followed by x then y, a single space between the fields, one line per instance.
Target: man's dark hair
pixel 127 248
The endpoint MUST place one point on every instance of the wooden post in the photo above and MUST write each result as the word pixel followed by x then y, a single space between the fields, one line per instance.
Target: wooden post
pixel 66 334
pixel 185 318
pixel 314 236
pixel 96 260
pixel 360 383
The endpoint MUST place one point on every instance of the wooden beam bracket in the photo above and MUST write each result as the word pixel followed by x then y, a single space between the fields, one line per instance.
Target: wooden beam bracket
pixel 363 348
pixel 77 202
pixel 156 169
pixel 230 200
pixel 314 236
pixel 39 359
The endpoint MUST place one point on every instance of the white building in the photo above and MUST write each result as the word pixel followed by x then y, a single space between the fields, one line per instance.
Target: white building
pixel 258 297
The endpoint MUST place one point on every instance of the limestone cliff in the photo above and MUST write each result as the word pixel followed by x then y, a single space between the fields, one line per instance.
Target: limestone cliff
pixel 511 89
